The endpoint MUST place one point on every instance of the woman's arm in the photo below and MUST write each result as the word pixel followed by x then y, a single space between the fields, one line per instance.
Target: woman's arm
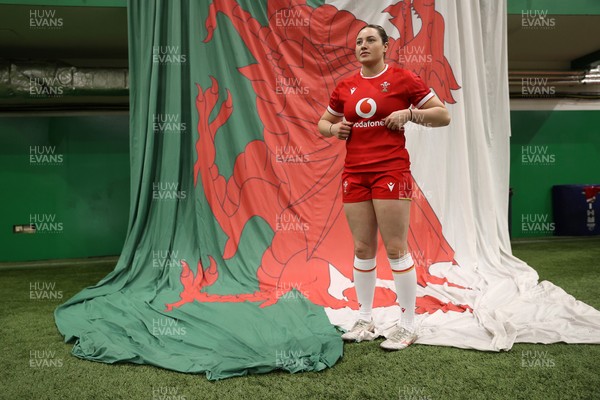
pixel 331 125
pixel 432 114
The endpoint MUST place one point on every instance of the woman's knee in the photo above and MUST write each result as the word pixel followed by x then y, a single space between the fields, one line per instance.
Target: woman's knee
pixel 364 250
pixel 396 250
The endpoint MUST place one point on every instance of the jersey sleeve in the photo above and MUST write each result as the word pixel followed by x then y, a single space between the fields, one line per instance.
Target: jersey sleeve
pixel 418 91
pixel 336 105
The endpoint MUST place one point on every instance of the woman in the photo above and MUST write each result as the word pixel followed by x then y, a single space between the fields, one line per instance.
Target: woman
pixel 369 110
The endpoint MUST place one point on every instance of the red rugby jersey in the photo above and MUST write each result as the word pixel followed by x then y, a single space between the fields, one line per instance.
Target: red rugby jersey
pixel 366 101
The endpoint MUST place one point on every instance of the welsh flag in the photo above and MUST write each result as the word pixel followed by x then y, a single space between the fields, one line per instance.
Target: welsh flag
pixel 239 258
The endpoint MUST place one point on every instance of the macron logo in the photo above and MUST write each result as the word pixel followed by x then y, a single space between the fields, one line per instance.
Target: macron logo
pixel 391 186
pixel 352 90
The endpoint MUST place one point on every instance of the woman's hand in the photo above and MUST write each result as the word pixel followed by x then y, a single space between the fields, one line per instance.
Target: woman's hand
pixel 341 130
pixel 397 119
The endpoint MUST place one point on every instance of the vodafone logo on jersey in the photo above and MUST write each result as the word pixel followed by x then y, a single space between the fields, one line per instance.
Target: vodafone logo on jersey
pixel 366 107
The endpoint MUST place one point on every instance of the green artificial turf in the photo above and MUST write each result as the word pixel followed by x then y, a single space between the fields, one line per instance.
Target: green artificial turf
pixel 27 331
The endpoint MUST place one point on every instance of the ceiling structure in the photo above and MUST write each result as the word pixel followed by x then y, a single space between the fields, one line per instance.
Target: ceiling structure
pixel 87 37
pixel 552 48
pixel 556 57
pixel 96 37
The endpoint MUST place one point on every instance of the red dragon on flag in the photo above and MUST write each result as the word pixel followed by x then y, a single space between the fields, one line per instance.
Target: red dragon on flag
pixel 291 179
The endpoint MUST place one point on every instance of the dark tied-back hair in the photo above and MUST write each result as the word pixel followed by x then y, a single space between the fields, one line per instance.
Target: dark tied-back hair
pixel 382 34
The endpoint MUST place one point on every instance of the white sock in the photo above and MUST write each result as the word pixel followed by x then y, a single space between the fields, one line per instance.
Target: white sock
pixel 405 280
pixel 365 275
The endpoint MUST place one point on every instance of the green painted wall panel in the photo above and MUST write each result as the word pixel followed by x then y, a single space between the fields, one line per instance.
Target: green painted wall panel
pixel 70 176
pixel 556 7
pixel 573 7
pixel 549 148
pixel 74 3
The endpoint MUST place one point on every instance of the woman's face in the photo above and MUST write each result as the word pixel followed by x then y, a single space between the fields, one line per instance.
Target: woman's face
pixel 369 47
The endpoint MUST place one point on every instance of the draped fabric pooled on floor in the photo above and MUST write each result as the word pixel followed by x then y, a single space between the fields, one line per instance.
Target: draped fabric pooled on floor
pixel 238 257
